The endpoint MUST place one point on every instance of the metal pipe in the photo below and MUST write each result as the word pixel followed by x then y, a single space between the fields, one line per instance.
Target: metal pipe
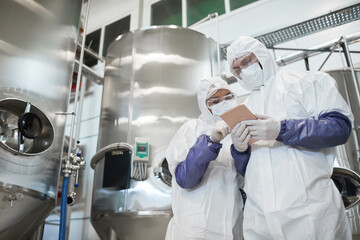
pixel 81 104
pixel 307 66
pixel 283 60
pixel 66 212
pixel 202 20
pixel 78 79
pixel 332 50
pixel 88 51
pixel 90 74
pixel 346 54
pixel 306 50
pixel 68 209
pixel 217 42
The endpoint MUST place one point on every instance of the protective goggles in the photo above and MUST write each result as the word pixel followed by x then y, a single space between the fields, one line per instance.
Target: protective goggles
pixel 215 100
pixel 243 62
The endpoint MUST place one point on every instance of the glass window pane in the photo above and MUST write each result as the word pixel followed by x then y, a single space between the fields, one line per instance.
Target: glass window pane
pixel 199 9
pixel 166 12
pixel 234 4
pixel 92 42
pixel 113 30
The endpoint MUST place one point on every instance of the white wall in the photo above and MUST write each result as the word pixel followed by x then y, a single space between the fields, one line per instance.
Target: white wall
pixel 257 18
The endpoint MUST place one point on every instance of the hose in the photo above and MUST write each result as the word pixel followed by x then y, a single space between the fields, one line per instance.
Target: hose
pixel 64 191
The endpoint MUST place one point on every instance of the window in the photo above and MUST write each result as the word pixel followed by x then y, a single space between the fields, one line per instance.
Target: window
pixel 166 12
pixel 93 43
pixel 113 30
pixel 234 4
pixel 199 9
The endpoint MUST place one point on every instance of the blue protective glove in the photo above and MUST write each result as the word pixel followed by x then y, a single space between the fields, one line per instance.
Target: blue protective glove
pixel 241 159
pixel 190 172
pixel 331 129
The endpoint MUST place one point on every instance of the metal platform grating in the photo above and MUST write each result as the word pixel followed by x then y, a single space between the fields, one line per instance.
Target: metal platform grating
pixel 332 19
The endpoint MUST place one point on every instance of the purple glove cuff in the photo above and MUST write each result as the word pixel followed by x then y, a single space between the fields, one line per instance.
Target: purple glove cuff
pixel 241 159
pixel 331 129
pixel 190 172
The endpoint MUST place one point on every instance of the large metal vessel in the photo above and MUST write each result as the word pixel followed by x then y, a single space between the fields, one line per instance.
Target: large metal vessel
pixel 151 80
pixel 347 164
pixel 37 45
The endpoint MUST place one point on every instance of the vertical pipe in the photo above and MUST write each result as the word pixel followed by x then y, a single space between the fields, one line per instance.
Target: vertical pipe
pixel 64 226
pixel 64 192
pixel 68 209
pixel 72 181
pixel 345 54
pixel 184 13
pixel 217 42
pixel 81 104
pixel 307 66
pixel 227 6
pixel 78 79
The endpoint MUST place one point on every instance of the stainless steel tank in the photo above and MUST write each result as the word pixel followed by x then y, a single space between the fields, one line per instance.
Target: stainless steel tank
pixel 37 50
pixel 150 86
pixel 347 164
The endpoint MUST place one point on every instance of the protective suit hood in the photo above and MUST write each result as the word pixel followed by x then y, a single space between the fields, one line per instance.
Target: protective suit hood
pixel 245 44
pixel 215 83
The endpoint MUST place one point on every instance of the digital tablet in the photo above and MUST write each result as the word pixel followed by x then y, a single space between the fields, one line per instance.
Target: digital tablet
pixel 238 114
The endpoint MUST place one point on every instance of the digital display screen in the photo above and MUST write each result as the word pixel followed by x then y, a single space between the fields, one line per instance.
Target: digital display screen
pixel 141 149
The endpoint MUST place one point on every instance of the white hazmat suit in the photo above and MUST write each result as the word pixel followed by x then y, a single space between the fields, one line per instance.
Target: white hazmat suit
pixel 290 194
pixel 212 209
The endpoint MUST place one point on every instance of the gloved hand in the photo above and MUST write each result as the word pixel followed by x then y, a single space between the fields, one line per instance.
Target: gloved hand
pixel 220 131
pixel 265 128
pixel 240 137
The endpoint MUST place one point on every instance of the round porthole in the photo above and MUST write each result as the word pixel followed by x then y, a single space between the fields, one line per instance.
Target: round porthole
pixel 165 174
pixel 348 184
pixel 24 128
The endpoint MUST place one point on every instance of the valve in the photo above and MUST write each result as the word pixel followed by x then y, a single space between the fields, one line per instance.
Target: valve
pixel 71 198
pixel 12 198
pixel 73 164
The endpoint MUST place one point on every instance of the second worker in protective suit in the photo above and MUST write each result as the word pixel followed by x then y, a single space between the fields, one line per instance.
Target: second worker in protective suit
pixel 301 118
pixel 206 164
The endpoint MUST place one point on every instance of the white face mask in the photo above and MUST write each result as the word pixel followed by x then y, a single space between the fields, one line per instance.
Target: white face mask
pixel 252 77
pixel 222 107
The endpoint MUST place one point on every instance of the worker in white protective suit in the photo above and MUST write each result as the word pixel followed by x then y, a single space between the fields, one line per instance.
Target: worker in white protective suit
pixel 301 118
pixel 206 165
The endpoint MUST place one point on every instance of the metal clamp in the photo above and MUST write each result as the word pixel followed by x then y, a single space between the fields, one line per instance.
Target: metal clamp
pixel 73 165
